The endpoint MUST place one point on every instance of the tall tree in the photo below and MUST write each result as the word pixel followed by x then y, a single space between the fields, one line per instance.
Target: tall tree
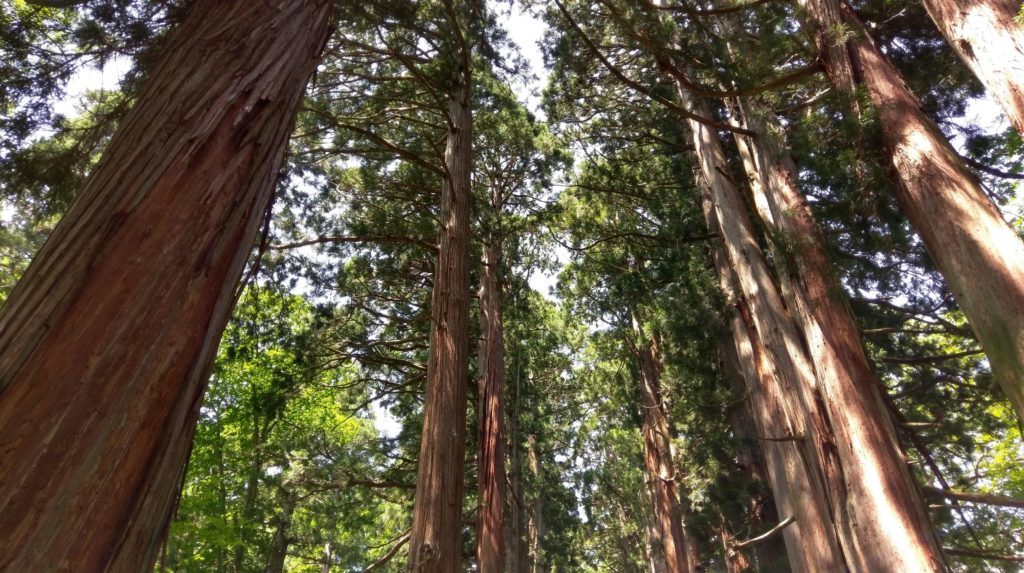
pixel 978 253
pixel 107 340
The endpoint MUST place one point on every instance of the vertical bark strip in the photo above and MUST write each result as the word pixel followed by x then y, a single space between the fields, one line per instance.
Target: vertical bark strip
pixel 977 252
pixel 435 543
pixel 986 37
pixel 106 343
pixel 536 512
pixel 490 552
pixel 659 467
pixel 883 516
pixel 787 385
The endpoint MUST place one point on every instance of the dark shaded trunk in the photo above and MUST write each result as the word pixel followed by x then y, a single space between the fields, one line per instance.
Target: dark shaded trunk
pixel 106 343
pixel 770 555
pixel 516 518
pixel 626 542
pixel 659 467
pixel 490 549
pixel 977 252
pixel 535 527
pixel 987 38
pixel 435 542
pixel 279 543
pixel 877 508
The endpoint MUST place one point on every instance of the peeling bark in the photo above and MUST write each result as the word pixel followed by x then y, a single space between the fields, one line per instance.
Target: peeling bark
pixel 490 551
pixel 106 343
pixel 798 444
pixel 978 253
pixel 435 544
pixel 988 39
pixel 881 516
pixel 659 467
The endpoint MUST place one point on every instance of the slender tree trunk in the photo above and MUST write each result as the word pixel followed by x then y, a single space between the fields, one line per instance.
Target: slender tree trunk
pixel 106 343
pixel 980 256
pixel 435 542
pixel 988 39
pixel 279 544
pixel 516 546
pixel 490 534
pixel 881 515
pixel 626 542
pixel 659 467
pixel 798 443
pixel 536 522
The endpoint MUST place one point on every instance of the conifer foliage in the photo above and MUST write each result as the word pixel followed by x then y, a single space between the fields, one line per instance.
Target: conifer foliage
pixel 331 286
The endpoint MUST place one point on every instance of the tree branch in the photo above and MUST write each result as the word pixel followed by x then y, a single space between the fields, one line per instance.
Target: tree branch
pixel 766 535
pixel 985 498
pixel 359 239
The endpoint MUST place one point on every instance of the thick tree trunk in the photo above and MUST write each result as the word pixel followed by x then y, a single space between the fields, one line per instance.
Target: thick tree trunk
pixel 988 39
pixel 659 467
pixel 435 542
pixel 796 486
pixel 980 256
pixel 106 343
pixel 490 550
pixel 798 443
pixel 881 515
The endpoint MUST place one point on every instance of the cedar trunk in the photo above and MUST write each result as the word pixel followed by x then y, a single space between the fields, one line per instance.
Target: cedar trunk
pixel 659 467
pixel 490 550
pixel 106 343
pixel 986 37
pixel 435 542
pixel 798 443
pixel 977 252
pixel 882 520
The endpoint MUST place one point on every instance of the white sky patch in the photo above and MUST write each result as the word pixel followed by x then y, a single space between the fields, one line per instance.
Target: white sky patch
pixel 386 424
pixel 527 30
pixel 91 78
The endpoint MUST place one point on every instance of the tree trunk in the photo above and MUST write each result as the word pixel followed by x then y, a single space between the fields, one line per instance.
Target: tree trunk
pixel 770 555
pixel 797 441
pixel 279 544
pixel 988 39
pixel 659 467
pixel 106 343
pixel 516 546
pixel 980 256
pixel 881 515
pixel 490 551
pixel 435 542
pixel 625 540
pixel 536 523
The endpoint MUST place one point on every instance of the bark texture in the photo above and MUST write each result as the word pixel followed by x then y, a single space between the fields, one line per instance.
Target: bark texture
pixel 986 37
pixel 879 511
pixel 490 550
pixel 977 252
pixel 798 444
pixel 435 544
pixel 659 467
pixel 106 343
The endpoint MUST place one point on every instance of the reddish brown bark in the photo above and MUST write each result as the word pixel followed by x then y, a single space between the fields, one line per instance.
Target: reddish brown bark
pixel 490 549
pixel 435 545
pixel 106 343
pixel 659 467
pixel 878 509
pixel 980 256
pixel 988 39
pixel 798 442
